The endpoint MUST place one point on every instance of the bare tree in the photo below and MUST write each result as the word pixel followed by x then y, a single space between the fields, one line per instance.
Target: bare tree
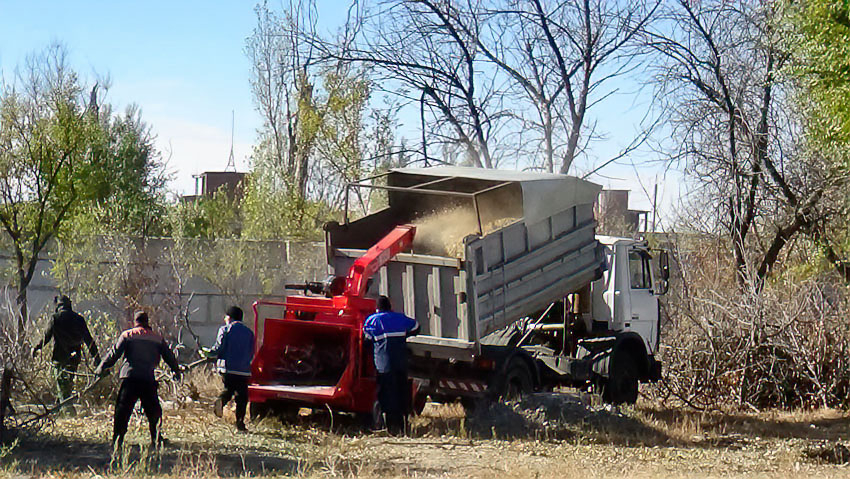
pixel 559 55
pixel 786 347
pixel 282 82
pixel 319 119
pixel 419 52
pixel 737 129
pixel 478 68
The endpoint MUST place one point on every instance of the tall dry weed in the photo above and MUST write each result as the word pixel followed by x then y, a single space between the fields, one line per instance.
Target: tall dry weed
pixel 781 346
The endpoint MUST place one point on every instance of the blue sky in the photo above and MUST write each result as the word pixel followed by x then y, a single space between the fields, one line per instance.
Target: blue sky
pixel 183 63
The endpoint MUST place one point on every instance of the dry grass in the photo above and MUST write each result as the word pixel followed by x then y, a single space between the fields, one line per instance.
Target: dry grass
pixel 661 442
pixel 649 440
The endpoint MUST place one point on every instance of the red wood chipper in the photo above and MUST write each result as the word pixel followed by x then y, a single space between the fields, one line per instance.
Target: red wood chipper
pixel 314 353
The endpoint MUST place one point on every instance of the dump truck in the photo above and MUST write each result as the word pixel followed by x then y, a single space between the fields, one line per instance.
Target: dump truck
pixel 504 272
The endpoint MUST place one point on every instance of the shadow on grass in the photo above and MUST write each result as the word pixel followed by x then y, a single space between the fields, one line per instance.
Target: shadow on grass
pixel 827 425
pixel 544 416
pixel 571 417
pixel 560 417
pixel 47 455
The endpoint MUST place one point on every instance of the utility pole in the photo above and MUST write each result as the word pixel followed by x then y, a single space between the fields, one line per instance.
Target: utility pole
pixel 422 119
pixel 654 206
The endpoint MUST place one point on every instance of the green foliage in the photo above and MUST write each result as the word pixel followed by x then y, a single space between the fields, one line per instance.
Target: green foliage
pixel 127 191
pixel 72 169
pixel 821 48
pixel 340 133
pixel 46 155
pixel 824 69
pixel 217 216
pixel 55 159
pixel 276 213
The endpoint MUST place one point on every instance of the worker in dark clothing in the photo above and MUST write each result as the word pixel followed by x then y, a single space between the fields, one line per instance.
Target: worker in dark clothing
pixel 142 349
pixel 388 332
pixel 69 332
pixel 234 348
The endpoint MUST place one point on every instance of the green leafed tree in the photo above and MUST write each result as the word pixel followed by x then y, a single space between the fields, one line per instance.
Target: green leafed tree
pixel 271 212
pixel 216 216
pixel 68 165
pixel 822 49
pixel 129 188
pixel 824 67
pixel 125 205
pixel 46 155
pixel 322 127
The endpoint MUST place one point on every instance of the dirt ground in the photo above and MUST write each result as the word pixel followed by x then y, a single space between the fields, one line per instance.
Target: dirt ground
pixel 546 435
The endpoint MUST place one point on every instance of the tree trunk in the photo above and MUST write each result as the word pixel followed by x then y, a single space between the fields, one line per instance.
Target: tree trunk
pixel 25 275
pixel 737 235
pixel 780 239
pixel 5 393
pixel 303 164
pixel 572 146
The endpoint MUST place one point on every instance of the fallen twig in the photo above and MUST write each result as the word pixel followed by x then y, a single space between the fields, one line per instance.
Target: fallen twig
pixel 88 388
pixel 59 405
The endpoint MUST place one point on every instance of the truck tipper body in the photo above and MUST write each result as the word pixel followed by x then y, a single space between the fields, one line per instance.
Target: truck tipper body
pixel 511 286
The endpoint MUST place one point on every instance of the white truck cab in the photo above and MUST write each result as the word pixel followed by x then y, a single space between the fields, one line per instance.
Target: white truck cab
pixel 626 297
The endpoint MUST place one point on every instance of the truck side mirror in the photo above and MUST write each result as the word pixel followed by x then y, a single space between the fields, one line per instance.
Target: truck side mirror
pixel 664 269
pixel 664 265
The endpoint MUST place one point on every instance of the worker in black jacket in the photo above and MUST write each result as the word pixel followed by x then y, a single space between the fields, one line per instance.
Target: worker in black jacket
pixel 69 332
pixel 142 349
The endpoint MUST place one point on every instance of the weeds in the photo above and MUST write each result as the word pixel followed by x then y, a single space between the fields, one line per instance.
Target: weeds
pixel 7 462
pixel 783 346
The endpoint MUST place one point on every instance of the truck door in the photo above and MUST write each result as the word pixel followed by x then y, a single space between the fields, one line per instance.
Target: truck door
pixel 644 305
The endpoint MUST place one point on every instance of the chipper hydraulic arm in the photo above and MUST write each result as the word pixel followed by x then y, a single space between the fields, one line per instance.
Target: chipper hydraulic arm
pixel 354 285
pixel 398 240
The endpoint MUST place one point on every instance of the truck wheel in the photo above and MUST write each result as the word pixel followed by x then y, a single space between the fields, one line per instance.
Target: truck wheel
pixel 622 384
pixel 518 381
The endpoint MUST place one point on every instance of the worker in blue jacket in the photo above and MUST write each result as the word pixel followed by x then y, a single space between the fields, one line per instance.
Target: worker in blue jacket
pixel 388 332
pixel 234 349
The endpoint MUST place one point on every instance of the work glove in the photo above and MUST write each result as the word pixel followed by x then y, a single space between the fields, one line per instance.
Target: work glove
pixel 100 372
pixel 207 353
